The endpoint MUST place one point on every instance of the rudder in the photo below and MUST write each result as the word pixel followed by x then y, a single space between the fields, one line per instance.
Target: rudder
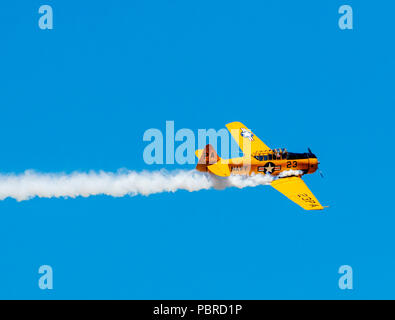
pixel 207 156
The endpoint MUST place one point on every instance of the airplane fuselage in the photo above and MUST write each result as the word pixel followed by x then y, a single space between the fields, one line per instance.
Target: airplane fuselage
pixel 304 162
pixel 270 163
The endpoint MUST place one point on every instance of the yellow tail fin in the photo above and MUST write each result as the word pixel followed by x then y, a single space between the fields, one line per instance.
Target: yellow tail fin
pixel 207 156
pixel 208 159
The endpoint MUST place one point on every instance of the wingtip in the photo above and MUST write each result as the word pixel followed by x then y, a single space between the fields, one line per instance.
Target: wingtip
pixel 233 123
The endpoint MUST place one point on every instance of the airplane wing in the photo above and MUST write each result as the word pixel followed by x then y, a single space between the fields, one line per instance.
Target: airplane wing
pixel 296 190
pixel 245 138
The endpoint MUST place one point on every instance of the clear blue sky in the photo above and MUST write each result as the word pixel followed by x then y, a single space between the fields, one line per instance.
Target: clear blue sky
pixel 80 96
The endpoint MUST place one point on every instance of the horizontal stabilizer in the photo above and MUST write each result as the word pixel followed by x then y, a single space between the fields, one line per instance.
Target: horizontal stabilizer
pixel 219 169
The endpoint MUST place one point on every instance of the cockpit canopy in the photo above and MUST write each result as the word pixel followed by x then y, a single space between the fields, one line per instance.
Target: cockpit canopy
pixel 294 155
pixel 284 155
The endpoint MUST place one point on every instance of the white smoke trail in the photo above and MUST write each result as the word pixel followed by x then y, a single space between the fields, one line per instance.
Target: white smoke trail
pixel 289 173
pixel 32 184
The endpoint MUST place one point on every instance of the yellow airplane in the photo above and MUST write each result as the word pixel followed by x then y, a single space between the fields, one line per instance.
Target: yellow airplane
pixel 258 158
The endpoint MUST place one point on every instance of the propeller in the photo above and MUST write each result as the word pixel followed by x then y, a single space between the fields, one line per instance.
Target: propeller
pixel 320 172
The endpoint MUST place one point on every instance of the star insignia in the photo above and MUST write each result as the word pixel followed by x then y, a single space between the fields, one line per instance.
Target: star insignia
pixel 269 168
pixel 247 134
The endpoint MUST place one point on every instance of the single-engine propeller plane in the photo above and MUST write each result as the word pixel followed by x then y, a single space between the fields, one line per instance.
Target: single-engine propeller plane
pixel 258 158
